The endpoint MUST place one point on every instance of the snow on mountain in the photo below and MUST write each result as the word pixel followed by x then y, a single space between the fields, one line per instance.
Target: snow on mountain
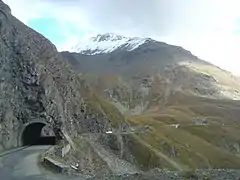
pixel 107 43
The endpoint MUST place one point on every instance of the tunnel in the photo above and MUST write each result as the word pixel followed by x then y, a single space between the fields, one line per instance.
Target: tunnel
pixel 33 135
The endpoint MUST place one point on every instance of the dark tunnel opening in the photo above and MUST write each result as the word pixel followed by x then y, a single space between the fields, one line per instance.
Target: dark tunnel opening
pixel 32 135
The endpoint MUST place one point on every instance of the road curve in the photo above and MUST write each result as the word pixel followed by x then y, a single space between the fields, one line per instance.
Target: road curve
pixel 23 165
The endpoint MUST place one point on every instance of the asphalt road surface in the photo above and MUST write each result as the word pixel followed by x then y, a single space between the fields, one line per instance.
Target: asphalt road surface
pixel 23 165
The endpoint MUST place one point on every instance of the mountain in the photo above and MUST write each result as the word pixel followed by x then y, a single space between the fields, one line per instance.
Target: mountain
pixel 190 106
pixel 124 111
pixel 108 43
pixel 124 55
pixel 113 55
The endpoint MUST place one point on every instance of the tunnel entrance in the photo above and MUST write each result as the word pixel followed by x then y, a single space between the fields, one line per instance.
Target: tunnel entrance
pixel 37 134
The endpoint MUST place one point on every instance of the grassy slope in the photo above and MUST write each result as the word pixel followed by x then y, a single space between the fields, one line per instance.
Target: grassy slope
pixel 223 77
pixel 193 146
pixel 189 146
pixel 101 106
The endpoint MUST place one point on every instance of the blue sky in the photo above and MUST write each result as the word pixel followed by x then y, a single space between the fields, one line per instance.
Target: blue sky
pixel 49 27
pixel 52 29
pixel 210 29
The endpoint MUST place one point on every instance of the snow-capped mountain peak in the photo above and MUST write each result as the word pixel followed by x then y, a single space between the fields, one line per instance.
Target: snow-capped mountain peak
pixel 107 37
pixel 107 43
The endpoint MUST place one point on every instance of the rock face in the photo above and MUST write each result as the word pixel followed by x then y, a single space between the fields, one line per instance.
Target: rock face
pixel 36 84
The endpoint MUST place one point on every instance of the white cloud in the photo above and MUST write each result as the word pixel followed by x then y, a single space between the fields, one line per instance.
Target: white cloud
pixel 26 9
pixel 221 50
pixel 206 27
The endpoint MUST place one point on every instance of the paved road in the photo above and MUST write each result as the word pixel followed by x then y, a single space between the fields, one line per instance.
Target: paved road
pixel 22 165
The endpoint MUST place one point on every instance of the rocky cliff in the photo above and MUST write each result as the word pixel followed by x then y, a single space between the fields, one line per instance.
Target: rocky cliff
pixel 36 84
